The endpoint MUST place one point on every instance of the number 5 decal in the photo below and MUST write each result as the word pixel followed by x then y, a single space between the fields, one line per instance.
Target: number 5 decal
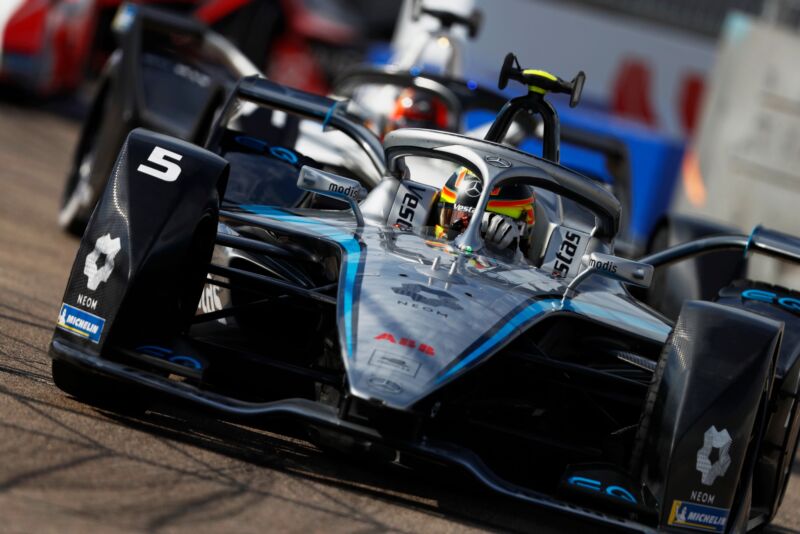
pixel 159 157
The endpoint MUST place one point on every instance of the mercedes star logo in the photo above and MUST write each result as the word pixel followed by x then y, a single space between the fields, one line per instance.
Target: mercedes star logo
pixel 497 161
pixel 474 189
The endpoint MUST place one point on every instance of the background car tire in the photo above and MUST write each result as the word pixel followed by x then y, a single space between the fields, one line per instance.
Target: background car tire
pixel 79 199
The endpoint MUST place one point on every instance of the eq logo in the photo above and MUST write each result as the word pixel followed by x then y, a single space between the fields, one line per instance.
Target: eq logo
pixel 719 441
pixel 278 152
pixel 771 297
pixel 98 271
pixel 169 355
pixel 595 485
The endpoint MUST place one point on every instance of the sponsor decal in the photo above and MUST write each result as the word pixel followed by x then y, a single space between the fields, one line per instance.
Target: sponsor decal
pixel 100 262
pixel 80 323
pixel 703 497
pixel 465 208
pixel 350 191
pixel 718 441
pixel 697 516
pixel 428 296
pixel 428 309
pixel 408 207
pixel 790 303
pixel 566 254
pixel 609 266
pixel 497 161
pixel 394 362
pixel 210 301
pixel 407 342
pixel 384 385
pixel 87 302
pixel 615 491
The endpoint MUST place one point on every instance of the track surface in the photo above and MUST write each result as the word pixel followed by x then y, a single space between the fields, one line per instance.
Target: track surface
pixel 68 467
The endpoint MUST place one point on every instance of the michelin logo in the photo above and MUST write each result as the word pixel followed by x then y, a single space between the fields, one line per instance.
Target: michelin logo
pixel 80 323
pixel 698 516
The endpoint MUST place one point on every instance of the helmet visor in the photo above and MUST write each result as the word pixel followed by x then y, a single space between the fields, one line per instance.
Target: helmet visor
pixel 454 218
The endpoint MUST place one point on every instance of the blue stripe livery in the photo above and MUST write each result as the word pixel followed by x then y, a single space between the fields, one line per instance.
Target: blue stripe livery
pixel 350 261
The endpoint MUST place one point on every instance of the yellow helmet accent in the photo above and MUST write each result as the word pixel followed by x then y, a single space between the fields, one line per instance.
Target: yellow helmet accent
pixel 516 207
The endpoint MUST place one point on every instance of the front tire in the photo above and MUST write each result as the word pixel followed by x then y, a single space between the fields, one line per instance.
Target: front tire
pixel 74 214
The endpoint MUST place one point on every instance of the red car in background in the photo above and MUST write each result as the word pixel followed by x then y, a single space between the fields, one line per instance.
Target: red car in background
pixel 48 46
pixel 43 44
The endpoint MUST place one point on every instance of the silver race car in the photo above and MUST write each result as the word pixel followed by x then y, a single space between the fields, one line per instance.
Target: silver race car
pixel 390 321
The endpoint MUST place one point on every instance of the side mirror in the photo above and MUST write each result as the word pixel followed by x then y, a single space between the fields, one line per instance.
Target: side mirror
pixel 577 89
pixel 626 271
pixel 334 186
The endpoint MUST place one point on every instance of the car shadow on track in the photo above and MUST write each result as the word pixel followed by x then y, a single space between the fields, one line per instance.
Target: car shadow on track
pixel 282 447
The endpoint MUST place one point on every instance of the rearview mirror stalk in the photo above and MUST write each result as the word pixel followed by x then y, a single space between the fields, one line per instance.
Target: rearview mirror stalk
pixel 626 271
pixel 334 186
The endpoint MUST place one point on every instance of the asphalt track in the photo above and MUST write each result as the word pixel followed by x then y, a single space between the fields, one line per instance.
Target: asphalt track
pixel 69 467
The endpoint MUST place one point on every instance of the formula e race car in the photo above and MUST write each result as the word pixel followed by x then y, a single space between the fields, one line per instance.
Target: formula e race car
pixel 531 367
pixel 173 74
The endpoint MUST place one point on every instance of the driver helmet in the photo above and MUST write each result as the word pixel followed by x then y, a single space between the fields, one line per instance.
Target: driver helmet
pixel 459 199
pixel 414 108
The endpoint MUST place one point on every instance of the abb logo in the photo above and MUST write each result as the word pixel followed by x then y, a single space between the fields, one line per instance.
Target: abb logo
pixel 406 342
